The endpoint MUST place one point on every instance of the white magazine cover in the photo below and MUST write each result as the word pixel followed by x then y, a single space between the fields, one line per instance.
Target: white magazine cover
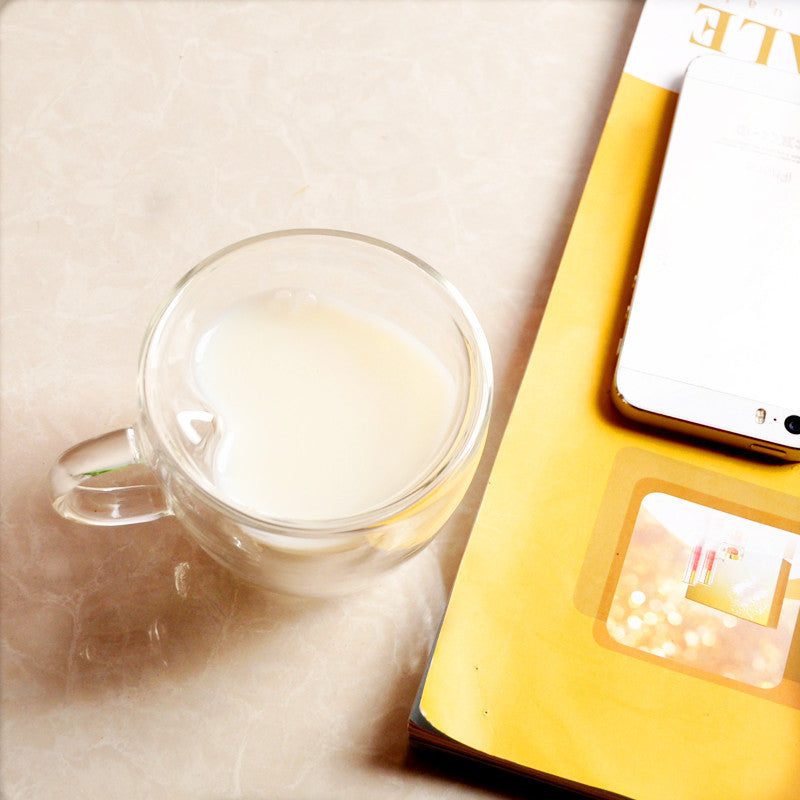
pixel 673 32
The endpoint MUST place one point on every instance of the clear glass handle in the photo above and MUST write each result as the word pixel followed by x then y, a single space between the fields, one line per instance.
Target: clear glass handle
pixel 103 481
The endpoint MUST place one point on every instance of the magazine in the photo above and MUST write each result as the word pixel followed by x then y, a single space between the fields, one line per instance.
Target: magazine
pixel 624 621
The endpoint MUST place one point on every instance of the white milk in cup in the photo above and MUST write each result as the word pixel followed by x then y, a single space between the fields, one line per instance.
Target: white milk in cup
pixel 325 412
pixel 313 406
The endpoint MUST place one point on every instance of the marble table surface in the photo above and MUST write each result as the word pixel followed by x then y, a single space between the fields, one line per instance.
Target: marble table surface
pixel 137 137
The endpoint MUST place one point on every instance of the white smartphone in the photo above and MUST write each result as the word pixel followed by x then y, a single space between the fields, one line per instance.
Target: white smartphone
pixel 712 340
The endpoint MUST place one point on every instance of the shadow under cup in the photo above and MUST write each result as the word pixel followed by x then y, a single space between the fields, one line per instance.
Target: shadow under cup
pixel 164 463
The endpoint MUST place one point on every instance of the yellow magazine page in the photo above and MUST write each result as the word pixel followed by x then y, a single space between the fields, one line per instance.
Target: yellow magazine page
pixel 625 615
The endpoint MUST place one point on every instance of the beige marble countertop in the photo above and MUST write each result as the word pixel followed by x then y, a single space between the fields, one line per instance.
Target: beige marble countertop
pixel 139 136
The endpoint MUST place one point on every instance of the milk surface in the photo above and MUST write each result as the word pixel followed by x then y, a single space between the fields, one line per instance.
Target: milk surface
pixel 324 411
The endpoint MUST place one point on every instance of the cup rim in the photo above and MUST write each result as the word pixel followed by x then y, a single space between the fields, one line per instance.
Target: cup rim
pixel 474 422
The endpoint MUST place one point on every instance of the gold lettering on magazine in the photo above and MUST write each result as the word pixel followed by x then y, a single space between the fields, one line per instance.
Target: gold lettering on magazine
pixel 719 29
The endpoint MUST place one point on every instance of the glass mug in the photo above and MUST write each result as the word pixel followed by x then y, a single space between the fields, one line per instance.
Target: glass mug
pixel 163 464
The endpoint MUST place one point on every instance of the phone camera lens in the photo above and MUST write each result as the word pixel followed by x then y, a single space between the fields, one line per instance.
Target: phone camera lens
pixel 792 424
